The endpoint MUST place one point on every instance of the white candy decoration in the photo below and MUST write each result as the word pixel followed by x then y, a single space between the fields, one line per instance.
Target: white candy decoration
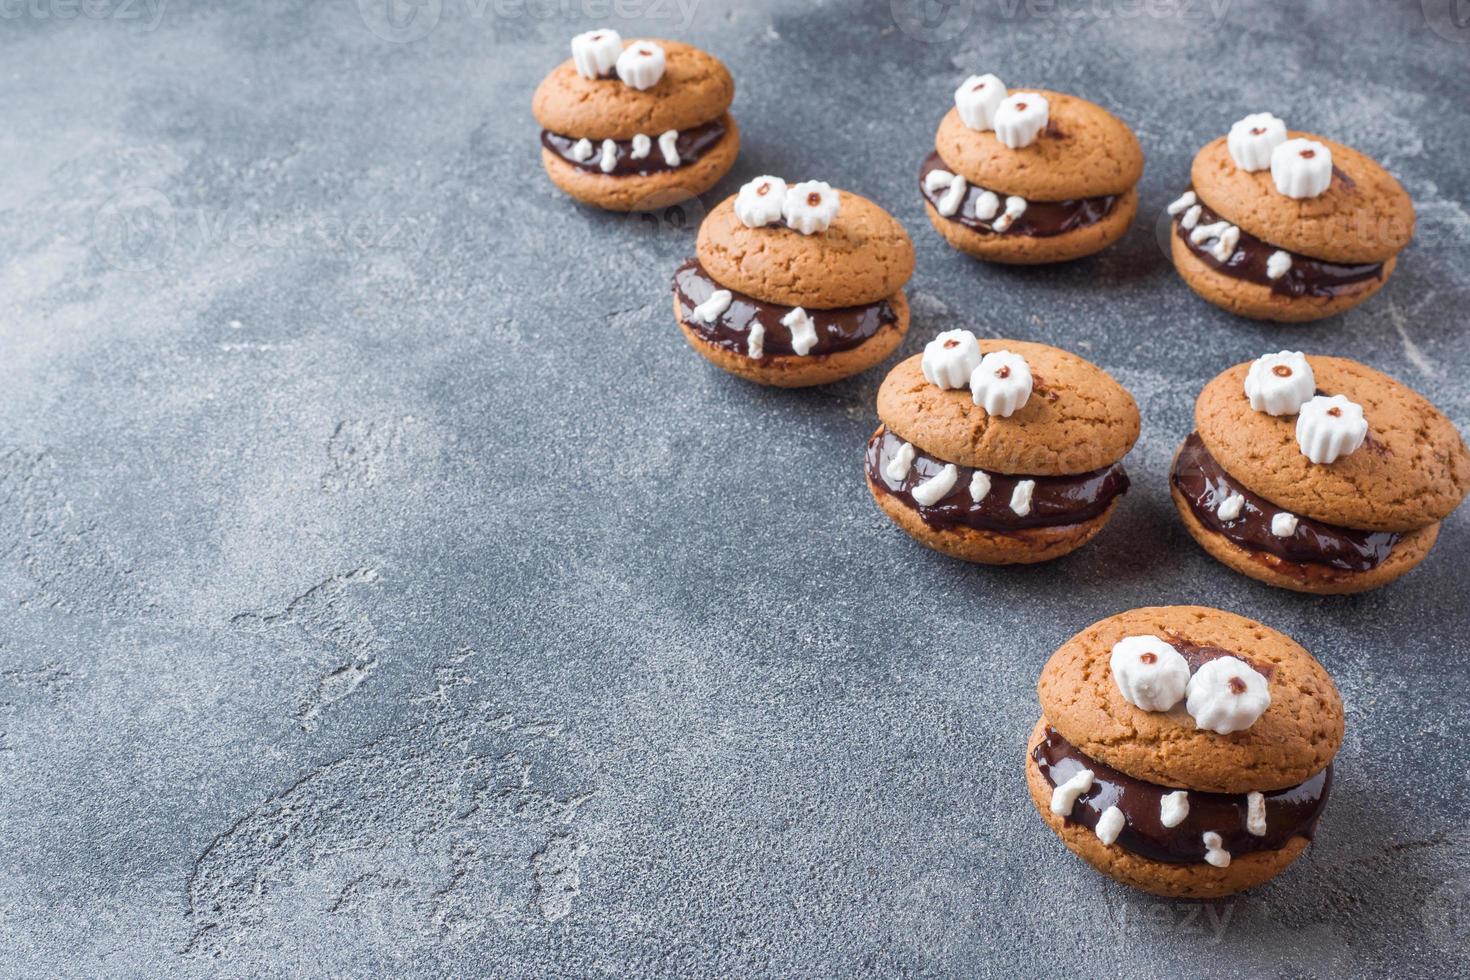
pixel 987 206
pixel 1278 265
pixel 755 343
pixel 1283 525
pixel 582 150
pixel 1021 497
pixel 1204 233
pixel 1173 808
pixel 1183 202
pixel 1015 207
pixel 1230 507
pixel 1226 695
pixel 1110 825
pixel 979 486
pixel 1329 428
pixel 803 330
pixel 977 99
pixel 668 145
pixel 1215 852
pixel 609 156
pixel 641 145
pixel 1191 217
pixel 713 308
pixel 950 359
pixel 953 198
pixel 1150 673
pixel 810 207
pixel 1252 140
pixel 1280 383
pixel 641 65
pixel 1301 168
pixel 897 469
pixel 760 201
pixel 1020 119
pixel 1255 817
pixel 596 52
pixel 1225 245
pixel 937 179
pixel 1001 384
pixel 937 487
pixel 1064 797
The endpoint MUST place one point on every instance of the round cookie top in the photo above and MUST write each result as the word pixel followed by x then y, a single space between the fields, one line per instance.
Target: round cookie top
pixel 1084 151
pixel 695 89
pixel 1076 420
pixel 1296 736
pixel 1412 470
pixel 1364 216
pixel 864 256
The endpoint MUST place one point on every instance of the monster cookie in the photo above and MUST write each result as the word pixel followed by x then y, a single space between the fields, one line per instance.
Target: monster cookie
pixel 1317 474
pixel 1184 750
pixel 1029 176
pixel 636 124
pixel 1000 451
pixel 1287 226
pixel 795 285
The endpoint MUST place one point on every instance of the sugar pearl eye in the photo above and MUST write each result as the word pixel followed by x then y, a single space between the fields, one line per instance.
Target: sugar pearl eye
pixel 1020 119
pixel 596 52
pixel 977 99
pixel 1226 695
pixel 1001 384
pixel 1329 428
pixel 760 201
pixel 1252 139
pixel 810 207
pixel 1150 673
pixel 641 65
pixel 1278 384
pixel 1301 168
pixel 951 358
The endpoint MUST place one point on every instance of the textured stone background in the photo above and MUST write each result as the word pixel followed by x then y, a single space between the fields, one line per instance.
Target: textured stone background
pixel 388 589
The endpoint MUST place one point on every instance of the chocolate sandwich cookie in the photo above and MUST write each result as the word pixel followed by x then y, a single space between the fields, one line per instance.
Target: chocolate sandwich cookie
pixel 1287 226
pixel 1317 474
pixel 636 124
pixel 1184 750
pixel 1029 176
pixel 795 286
pixel 1000 451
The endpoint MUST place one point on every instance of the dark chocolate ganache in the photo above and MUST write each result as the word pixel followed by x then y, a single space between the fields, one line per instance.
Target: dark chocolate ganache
pixel 691 144
pixel 837 330
pixel 1205 485
pixel 1306 277
pixel 1290 812
pixel 1056 502
pixel 1041 220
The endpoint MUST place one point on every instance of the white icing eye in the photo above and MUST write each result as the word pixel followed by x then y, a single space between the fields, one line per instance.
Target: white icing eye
pixel 1280 383
pixel 1150 673
pixel 1330 428
pixel 1301 168
pixel 641 65
pixel 596 52
pixel 810 207
pixel 1252 139
pixel 1001 384
pixel 951 358
pixel 977 99
pixel 760 201
pixel 1020 119
pixel 1226 695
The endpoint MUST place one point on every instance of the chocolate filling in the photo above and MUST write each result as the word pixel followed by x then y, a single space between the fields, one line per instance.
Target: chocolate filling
pixel 1306 277
pixel 1290 812
pixel 837 330
pixel 1041 220
pixel 1056 502
pixel 1205 485
pixel 691 144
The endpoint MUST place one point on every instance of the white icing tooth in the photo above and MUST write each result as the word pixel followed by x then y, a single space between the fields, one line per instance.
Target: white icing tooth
pixel 1173 808
pixel 1278 265
pixel 1204 233
pixel 1191 217
pixel 979 486
pixel 641 65
pixel 596 52
pixel 1150 673
pixel 1328 429
pixel 1110 825
pixel 937 487
pixel 1255 819
pixel 1225 245
pixel 760 201
pixel 1021 497
pixel 1001 383
pixel 713 308
pixel 1301 168
pixel 583 150
pixel 1064 797
pixel 1252 139
pixel 641 145
pixel 803 330
pixel 1015 207
pixel 668 145
pixel 1280 383
pixel 1215 852
pixel 953 198
pixel 1019 120
pixel 987 206
pixel 755 342
pixel 1283 525
pixel 811 206
pixel 609 156
pixel 1230 507
pixel 950 358
pixel 1183 202
pixel 937 180
pixel 897 469
pixel 1226 695
pixel 976 100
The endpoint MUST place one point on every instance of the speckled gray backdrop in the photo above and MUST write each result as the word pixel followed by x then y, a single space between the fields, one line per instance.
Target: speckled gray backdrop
pixel 388 590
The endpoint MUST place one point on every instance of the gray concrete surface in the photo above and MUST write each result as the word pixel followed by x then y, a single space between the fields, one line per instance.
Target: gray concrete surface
pixel 388 591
